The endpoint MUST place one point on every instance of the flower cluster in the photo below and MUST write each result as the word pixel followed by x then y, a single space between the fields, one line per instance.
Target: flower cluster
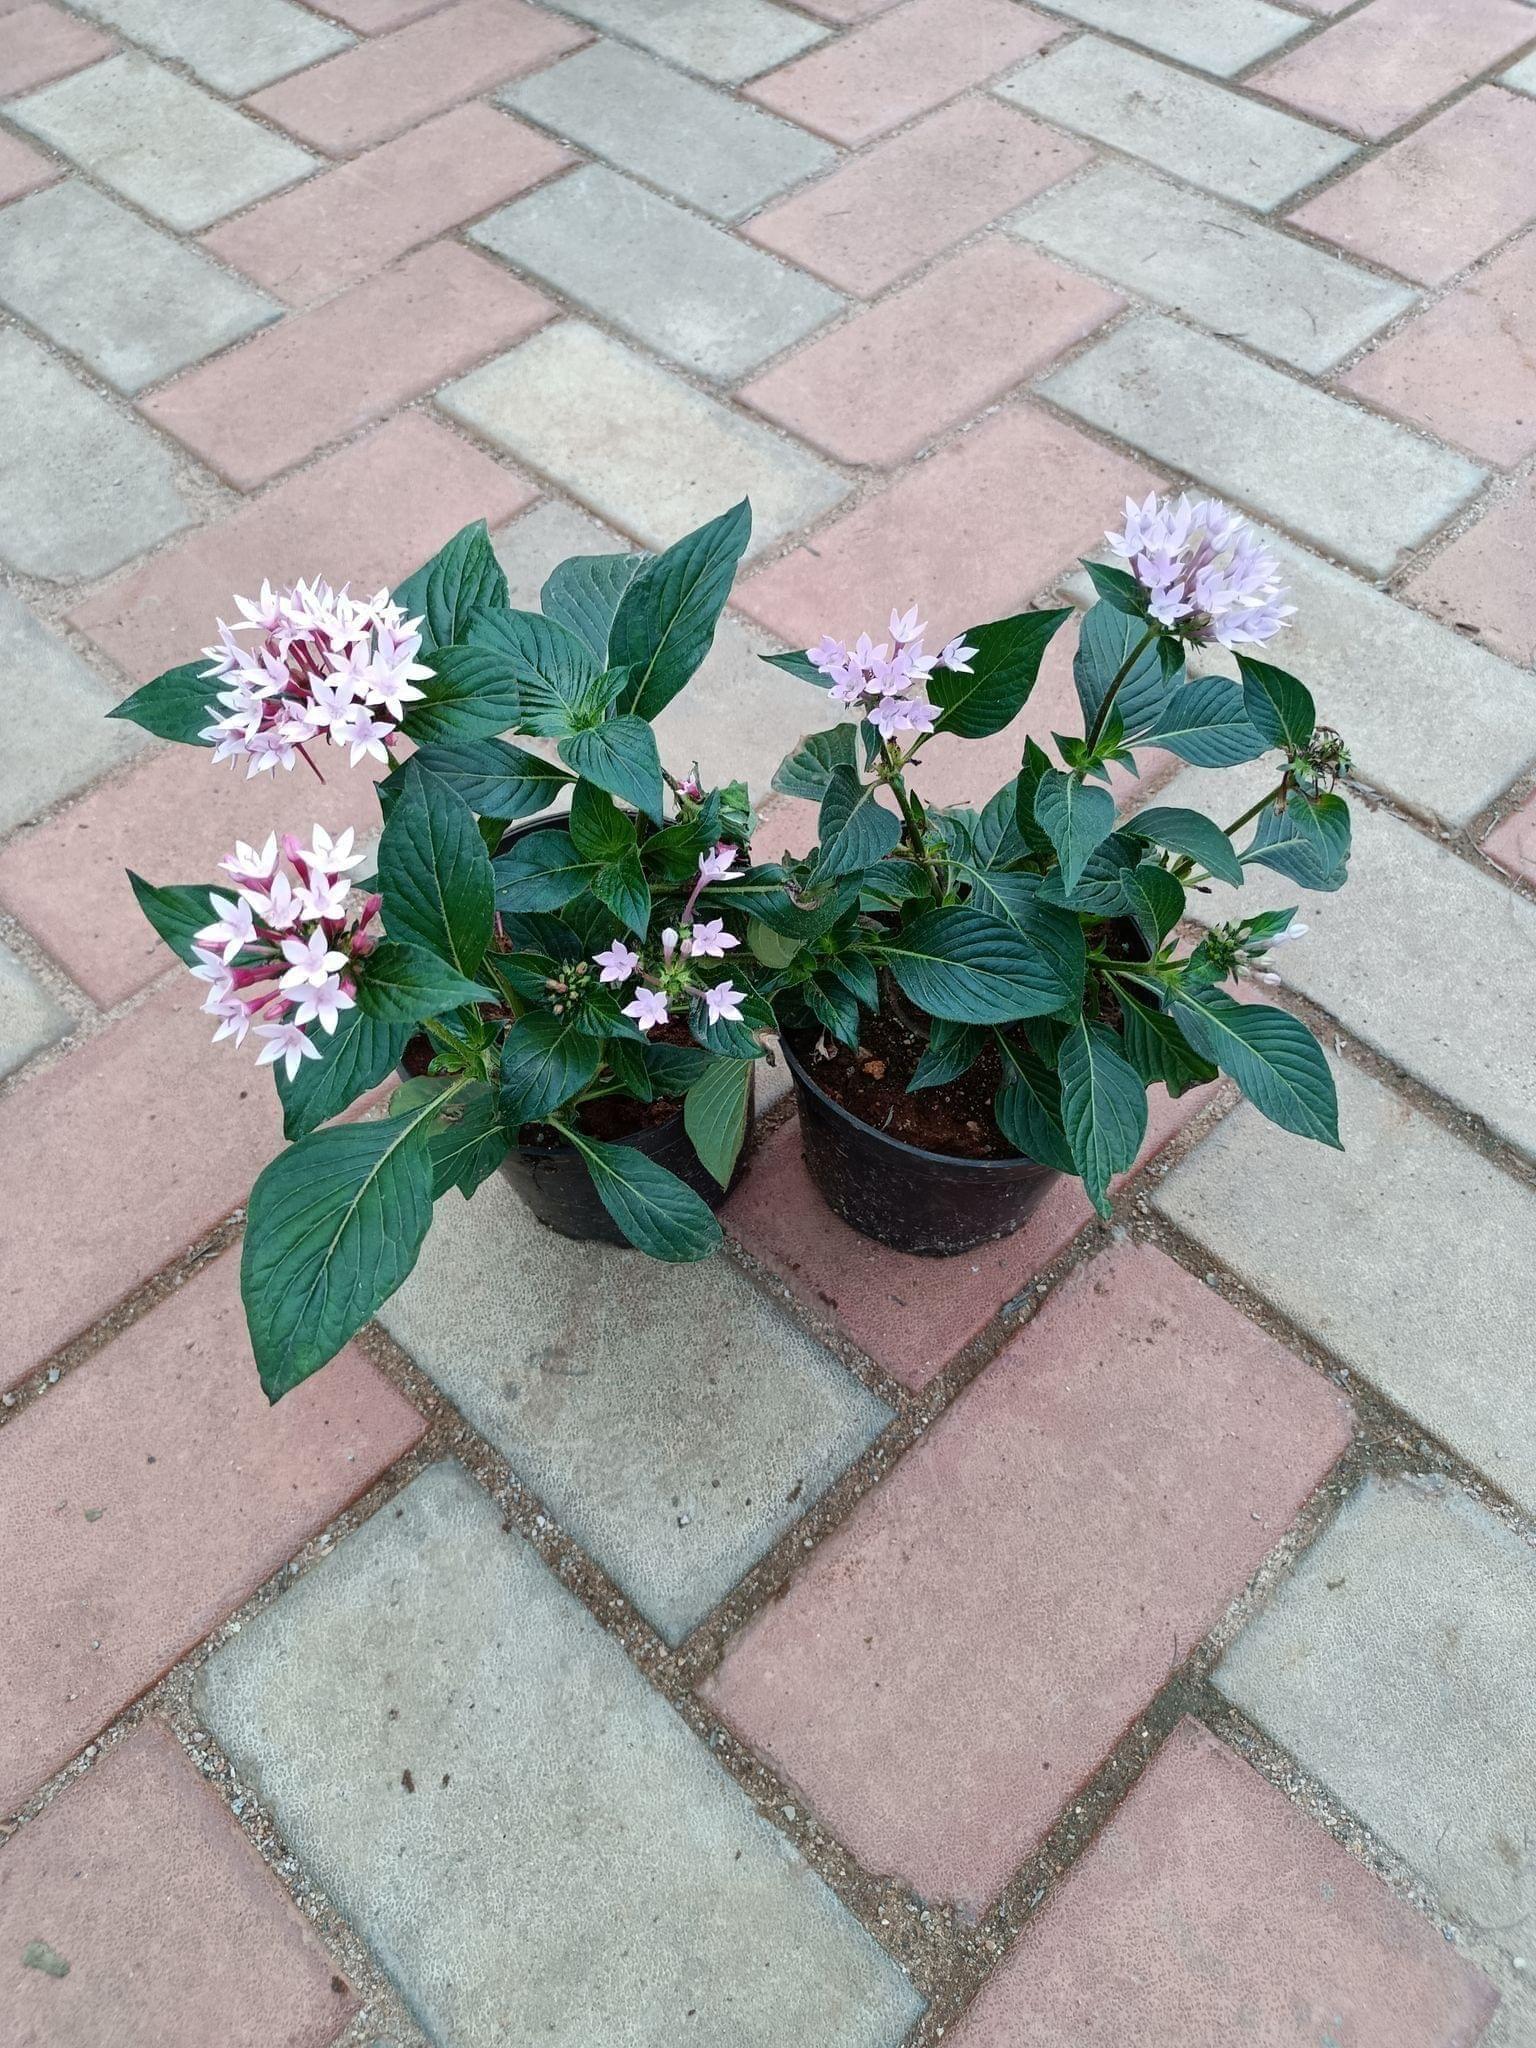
pixel 1205 570
pixel 1242 951
pixel 887 682
pixel 283 948
pixel 319 665
pixel 674 978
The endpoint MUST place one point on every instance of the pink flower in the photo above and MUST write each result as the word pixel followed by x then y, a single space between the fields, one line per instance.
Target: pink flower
pixel 278 905
pixel 234 1016
pixel 285 1042
pixel 330 856
pixel 905 629
pixel 885 682
pixel 723 1003
pixel 710 940
pixel 324 1004
pixel 718 865
pixel 648 1009
pixel 324 897
pixel 617 961
pixel 1206 573
pixel 245 864
pixel 364 735
pixel 310 961
pixel 957 656
pixel 235 930
pixel 690 787
pixel 902 714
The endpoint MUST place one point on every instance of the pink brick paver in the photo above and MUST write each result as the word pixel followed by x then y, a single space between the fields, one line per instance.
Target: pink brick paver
pixel 349 222
pixel 884 383
pixel 43 42
pixel 171 819
pixel 1442 197
pixel 954 1662
pixel 23 169
pixel 1486 580
pixel 1465 368
pixel 376 17
pixel 1513 843
pixel 1374 71
pixel 109 1167
pixel 1211 1911
pixel 152 1492
pixel 175 1932
pixel 911 59
pixel 318 375
pixel 914 1315
pixel 380 88
pixel 934 534
pixel 909 198
pixel 846 12
pixel 367 514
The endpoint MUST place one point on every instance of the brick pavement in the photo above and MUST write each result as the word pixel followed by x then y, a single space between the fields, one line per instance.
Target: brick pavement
pixel 1120 1634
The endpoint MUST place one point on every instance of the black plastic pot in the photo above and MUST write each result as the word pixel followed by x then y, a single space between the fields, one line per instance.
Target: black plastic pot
pixel 912 1200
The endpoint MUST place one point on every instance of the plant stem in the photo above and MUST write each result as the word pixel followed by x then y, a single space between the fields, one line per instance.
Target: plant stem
pixel 1184 866
pixel 1101 716
pixel 912 815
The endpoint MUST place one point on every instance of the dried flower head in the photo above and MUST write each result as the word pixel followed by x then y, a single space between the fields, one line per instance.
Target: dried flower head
pixel 1205 570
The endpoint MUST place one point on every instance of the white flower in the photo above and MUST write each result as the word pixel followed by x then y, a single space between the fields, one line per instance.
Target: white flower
pixel 710 940
pixel 245 864
pixel 310 961
pixel 719 865
pixel 723 1003
pixel 325 1003
pixel 235 930
pixel 285 1042
pixel 331 856
pixel 648 1009
pixel 618 962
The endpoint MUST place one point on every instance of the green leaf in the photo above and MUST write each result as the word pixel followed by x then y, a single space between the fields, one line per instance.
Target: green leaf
pixel 468 1142
pixel 1035 765
pixel 402 984
pixel 1016 899
pixel 1103 1108
pixel 1028 1108
pixel 1003 672
pixel 599 830
pixel 1101 886
pixel 434 873
pixel 673 1068
pixel 175 706
pixel 799 665
pixel 1275 1060
pixel 1157 1048
pixel 855 831
pixel 1117 587
pixel 808 769
pixel 715 1115
pixel 1307 842
pixel 1205 722
pixel 1278 706
pixel 468 696
pixel 1156 898
pixel 544 1062
pixel 494 779
pixel 177 911
pixel 334 1225
pixel 737 1041
pixel 1104 644
pixel 360 1053
pixel 1193 833
pixel 540 872
pixel 552 671
pixel 656 1211
pixel 960 964
pixel 620 756
pixel 622 886
pixel 832 1006
pixel 583 594
pixel 462 577
pixel 995 837
pixel 665 622
pixel 768 946
pixel 952 1050
pixel 1075 817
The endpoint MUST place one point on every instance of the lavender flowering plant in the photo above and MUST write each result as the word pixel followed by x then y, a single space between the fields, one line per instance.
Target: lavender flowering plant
pixel 530 977
pixel 1036 940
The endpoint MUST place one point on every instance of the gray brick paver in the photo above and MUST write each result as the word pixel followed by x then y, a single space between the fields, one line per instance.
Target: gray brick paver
pixel 29 1017
pixel 232 45
pixel 727 40
pixel 55 735
pixel 1219 36
pixel 572 1866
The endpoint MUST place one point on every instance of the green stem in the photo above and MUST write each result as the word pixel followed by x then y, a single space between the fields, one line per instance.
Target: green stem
pixel 1101 716
pixel 1183 867
pixel 912 816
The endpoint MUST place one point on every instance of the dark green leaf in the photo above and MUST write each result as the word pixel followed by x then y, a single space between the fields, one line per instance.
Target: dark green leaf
pixel 1156 898
pixel 1101 886
pixel 435 874
pixel 715 1115
pixel 1103 1108
pixel 599 830
pixel 995 838
pixel 1193 833
pixel 738 1040
pixel 536 654
pixel 461 578
pixel 544 1062
pixel 620 756
pixel 854 829
pixel 177 911
pixel 360 1053
pixel 401 984
pixel 665 620
pixel 656 1211
pixel 972 969
pixel 583 594
pixel 952 1050
pixel 1278 706
pixel 1275 1060
pixel 1205 723
pixel 673 1068
pixel 799 665
pixel 621 884
pixel 1157 1048
pixel 468 1142
pixel 1106 641
pixel 1003 672
pixel 175 706
pixel 540 872
pixel 1028 1108
pixel 1117 587
pixel 469 696
pixel 495 780
pixel 1075 817
pixel 1307 842
pixel 334 1225
pixel 807 770
pixel 857 974
pixel 1026 786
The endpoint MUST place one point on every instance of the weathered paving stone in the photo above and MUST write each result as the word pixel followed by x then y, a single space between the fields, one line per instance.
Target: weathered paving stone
pixel 1512 842
pixel 126 299
pixel 1352 482
pixel 43 42
pixel 22 169
pixel 1413 1617
pixel 1452 1012
pixel 1213 263
pixel 727 40
pixel 1483 583
pixel 1353 1247
pixel 676 283
pixel 1522 76
pixel 234 50
pixel 1200 132
pixel 174 1931
pixel 1212 1910
pixel 706 147
pixel 180 154
pixel 952 1664
pixel 1219 36
pixel 54 731
pixel 81 487
pixel 641 447
pixel 638 1901
pixel 152 1492
pixel 669 1418
pixel 29 1016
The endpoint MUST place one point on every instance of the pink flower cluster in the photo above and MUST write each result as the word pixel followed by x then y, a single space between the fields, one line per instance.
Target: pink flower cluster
pixel 887 682
pixel 284 946
pixel 320 665
pixel 674 975
pixel 1205 570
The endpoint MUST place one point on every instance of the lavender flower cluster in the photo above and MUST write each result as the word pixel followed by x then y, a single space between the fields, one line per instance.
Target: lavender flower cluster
pixel 887 682
pixel 1205 570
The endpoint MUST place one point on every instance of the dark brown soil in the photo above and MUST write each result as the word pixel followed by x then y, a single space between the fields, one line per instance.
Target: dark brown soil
pixel 872 1085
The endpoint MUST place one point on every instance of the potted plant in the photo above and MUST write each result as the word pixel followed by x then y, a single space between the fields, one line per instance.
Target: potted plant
pixel 560 996
pixel 989 994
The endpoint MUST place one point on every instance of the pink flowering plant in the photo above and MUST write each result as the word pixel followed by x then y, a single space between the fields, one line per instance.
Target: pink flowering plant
pixel 532 973
pixel 1043 930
